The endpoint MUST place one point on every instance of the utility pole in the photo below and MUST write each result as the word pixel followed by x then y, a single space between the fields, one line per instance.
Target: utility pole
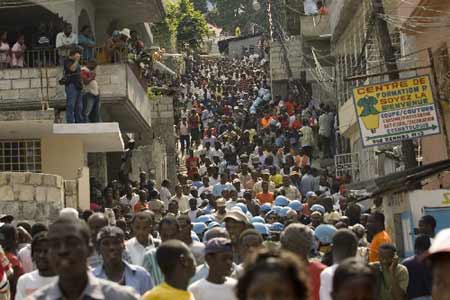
pixel 384 39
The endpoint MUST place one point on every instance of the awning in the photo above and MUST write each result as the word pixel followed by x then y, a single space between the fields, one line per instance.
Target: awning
pixel 407 179
pixel 96 137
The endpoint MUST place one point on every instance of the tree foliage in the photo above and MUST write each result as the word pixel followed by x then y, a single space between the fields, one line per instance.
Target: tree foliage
pixel 229 14
pixel 183 24
pixel 201 5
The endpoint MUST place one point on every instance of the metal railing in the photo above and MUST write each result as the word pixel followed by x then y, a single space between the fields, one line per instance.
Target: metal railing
pixel 38 58
pixel 347 164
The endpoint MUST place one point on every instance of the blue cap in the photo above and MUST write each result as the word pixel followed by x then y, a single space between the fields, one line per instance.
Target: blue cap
pixel 218 245
pixel 266 207
pixel 205 219
pixel 281 201
pixel 284 212
pixel 199 228
pixel 271 212
pixel 258 219
pixel 296 205
pixel 318 207
pixel 310 194
pixel 243 207
pixel 213 224
pixel 277 227
pixel 324 233
pixel 276 209
pixel 261 228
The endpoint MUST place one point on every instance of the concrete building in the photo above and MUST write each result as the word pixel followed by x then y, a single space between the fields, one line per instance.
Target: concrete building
pixel 75 152
pixel 431 30
pixel 356 51
pixel 237 47
pixel 407 194
pixel 304 58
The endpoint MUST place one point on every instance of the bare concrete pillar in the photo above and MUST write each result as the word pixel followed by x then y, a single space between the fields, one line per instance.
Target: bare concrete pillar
pixel 98 167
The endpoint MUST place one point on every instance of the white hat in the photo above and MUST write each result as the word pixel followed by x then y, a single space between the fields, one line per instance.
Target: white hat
pixel 441 243
pixel 126 32
pixel 68 212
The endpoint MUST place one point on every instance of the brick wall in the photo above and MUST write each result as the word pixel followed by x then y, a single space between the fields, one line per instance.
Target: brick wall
pixel 163 124
pixel 29 84
pixel 33 84
pixel 31 196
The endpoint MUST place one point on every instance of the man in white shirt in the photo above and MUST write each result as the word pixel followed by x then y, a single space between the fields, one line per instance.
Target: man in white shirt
pixel 183 132
pixel 164 193
pixel 142 225
pixel 182 200
pixel 345 245
pixel 206 186
pixel 217 286
pixel 185 233
pixel 290 191
pixel 65 41
pixel 44 275
pixel 130 198
pixel 193 209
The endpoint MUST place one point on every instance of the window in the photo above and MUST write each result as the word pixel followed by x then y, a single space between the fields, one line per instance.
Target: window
pixel 20 156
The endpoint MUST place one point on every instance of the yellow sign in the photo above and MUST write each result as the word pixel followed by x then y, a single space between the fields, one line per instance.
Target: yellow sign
pixel 446 200
pixel 394 111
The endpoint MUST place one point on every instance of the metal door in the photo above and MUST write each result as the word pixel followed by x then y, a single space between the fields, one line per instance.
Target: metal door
pixel 408 233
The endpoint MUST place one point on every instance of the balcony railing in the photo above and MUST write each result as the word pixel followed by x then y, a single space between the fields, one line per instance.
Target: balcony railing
pixel 38 58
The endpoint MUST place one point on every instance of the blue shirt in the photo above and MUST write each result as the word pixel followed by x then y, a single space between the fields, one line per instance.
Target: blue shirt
pixel 218 188
pixel 84 41
pixel 135 277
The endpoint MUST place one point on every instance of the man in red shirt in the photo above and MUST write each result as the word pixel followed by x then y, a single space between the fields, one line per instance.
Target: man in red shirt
pixel 192 164
pixel 298 239
pixel 194 127
pixel 8 240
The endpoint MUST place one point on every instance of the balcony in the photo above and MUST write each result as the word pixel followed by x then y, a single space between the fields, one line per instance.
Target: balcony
pixel 341 14
pixel 123 95
pixel 316 27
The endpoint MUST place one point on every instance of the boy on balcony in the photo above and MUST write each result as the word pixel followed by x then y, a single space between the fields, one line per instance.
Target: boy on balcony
pixel 91 99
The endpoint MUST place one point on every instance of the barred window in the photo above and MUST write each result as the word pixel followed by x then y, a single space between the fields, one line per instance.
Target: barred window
pixel 20 156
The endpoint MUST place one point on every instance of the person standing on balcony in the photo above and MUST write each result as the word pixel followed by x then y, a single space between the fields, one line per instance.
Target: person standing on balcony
pixel 4 50
pixel 65 41
pixel 42 41
pixel 91 95
pixel 18 52
pixel 73 87
pixel 87 41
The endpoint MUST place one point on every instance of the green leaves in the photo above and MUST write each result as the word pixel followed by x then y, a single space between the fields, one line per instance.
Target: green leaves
pixel 185 23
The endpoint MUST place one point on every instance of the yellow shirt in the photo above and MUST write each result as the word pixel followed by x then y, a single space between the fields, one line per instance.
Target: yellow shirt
pixel 277 179
pixel 167 292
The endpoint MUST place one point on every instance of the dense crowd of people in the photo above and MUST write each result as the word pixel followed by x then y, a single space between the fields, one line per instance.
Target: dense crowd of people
pixel 253 215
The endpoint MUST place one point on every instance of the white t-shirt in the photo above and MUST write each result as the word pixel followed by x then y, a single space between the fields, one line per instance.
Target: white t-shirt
pixel 136 250
pixel 198 250
pixel 326 282
pixel 25 258
pixel 205 290
pixel 134 199
pixel 30 282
